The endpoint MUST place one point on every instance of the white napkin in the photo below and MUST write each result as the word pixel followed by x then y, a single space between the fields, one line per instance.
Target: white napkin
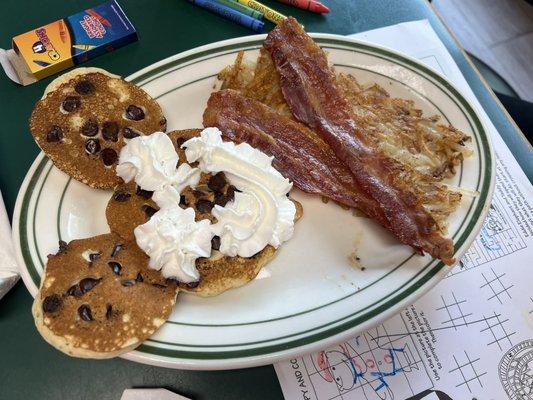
pixel 150 394
pixel 9 274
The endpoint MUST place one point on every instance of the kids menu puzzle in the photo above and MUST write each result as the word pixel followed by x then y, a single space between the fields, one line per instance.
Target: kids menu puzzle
pixel 471 336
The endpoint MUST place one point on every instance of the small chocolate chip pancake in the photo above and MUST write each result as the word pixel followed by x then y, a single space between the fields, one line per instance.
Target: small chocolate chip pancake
pixel 130 206
pixel 99 299
pixel 84 118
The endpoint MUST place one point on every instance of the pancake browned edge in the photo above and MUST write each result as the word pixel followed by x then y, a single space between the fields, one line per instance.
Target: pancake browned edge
pixel 98 298
pixel 130 207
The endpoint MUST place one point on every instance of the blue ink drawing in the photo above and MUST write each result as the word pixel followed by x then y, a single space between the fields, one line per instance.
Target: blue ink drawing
pixel 348 369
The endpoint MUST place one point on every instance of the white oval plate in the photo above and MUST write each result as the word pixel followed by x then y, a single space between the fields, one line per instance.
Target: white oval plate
pixel 309 296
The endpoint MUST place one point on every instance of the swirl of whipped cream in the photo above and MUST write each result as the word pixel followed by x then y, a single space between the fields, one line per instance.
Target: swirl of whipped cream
pixel 151 160
pixel 174 240
pixel 260 213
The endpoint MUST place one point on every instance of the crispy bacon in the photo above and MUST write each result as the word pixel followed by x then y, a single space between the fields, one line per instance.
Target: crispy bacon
pixel 310 89
pixel 299 154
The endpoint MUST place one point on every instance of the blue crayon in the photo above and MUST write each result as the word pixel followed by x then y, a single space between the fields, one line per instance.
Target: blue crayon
pixel 230 14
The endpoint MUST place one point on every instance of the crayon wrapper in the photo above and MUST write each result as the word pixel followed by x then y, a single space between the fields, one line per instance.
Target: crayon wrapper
pixel 73 40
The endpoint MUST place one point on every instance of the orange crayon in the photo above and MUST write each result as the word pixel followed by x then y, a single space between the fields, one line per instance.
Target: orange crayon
pixel 309 5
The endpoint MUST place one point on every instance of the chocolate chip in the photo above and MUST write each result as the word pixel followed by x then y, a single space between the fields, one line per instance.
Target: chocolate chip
pixel 89 128
pixel 109 156
pixel 71 103
pixel 139 278
pixel 215 243
pixel 217 182
pixel 62 246
pixel 204 206
pixel 87 284
pixel 135 113
pixel 129 133
pixel 94 256
pixel 54 134
pixel 84 311
pixel 230 193
pixel 157 285
pixel 109 311
pixel 144 193
pixel 115 267
pixel 198 193
pixel 180 141
pixel 92 146
pixel 110 131
pixel 121 196
pixel 192 285
pixel 149 210
pixel 51 303
pixel 116 249
pixel 84 87
pixel 163 121
pixel 75 290
pixel 127 282
pixel 183 200
pixel 82 287
pixel 221 199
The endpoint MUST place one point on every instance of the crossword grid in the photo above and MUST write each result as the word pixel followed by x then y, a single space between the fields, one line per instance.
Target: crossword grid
pixel 492 328
pixel 450 308
pixel 498 238
pixel 413 363
pixel 464 370
pixel 493 284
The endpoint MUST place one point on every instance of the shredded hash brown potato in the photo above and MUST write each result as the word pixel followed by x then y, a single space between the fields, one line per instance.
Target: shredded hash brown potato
pixel 428 150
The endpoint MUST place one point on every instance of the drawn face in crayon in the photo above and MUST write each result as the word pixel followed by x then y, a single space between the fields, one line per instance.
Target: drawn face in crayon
pixel 336 366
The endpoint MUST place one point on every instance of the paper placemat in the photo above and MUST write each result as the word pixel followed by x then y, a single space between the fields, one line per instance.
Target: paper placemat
pixel 470 337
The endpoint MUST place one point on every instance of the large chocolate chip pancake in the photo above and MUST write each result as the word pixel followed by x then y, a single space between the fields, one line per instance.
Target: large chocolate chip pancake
pixel 84 118
pixel 130 207
pixel 99 299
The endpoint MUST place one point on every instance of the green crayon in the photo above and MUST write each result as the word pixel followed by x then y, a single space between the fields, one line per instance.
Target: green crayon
pixel 242 8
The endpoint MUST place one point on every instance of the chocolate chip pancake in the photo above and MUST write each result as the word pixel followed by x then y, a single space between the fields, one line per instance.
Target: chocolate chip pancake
pixel 84 118
pixel 130 207
pixel 99 299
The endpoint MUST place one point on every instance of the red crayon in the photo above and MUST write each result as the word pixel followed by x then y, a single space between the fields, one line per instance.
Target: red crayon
pixel 309 5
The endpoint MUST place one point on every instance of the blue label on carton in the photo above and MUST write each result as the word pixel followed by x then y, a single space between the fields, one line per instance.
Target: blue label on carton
pixel 99 29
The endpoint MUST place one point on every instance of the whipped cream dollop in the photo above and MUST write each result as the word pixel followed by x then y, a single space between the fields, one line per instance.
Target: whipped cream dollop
pixel 171 238
pixel 174 240
pixel 260 214
pixel 151 160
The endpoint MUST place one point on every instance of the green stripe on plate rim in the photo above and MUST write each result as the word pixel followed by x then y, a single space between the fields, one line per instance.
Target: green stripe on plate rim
pixel 485 158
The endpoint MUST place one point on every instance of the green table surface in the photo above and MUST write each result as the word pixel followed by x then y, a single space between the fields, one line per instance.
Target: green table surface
pixel 31 369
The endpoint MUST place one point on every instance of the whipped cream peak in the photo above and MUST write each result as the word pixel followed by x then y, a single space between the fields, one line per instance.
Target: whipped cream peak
pixel 174 240
pixel 260 214
pixel 151 161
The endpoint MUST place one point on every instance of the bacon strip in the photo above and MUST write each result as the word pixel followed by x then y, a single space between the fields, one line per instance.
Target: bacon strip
pixel 310 89
pixel 299 154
